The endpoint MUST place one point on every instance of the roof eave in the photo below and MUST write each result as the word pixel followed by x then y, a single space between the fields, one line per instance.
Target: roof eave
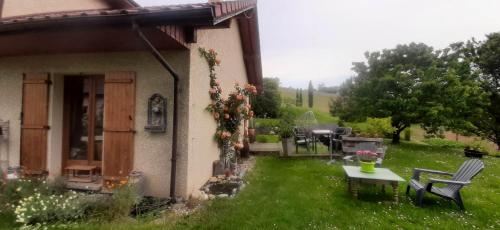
pixel 191 17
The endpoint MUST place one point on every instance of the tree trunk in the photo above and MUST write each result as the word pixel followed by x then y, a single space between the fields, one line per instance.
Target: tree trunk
pixel 497 140
pixel 396 137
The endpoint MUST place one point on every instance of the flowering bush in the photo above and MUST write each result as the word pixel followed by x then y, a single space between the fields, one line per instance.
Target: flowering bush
pixel 366 155
pixel 228 113
pixel 40 208
pixel 12 192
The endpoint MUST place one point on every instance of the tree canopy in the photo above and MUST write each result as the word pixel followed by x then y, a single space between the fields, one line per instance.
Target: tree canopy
pixel 485 57
pixel 268 102
pixel 412 84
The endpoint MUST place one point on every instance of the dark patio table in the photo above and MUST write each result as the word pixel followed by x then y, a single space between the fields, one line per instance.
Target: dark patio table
pixel 318 132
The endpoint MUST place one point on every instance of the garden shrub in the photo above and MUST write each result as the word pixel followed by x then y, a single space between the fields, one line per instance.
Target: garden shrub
pixel 124 199
pixel 119 205
pixel 266 125
pixel 374 127
pixel 42 208
pixel 36 202
pixel 379 127
pixel 12 192
pixel 287 122
pixel 266 104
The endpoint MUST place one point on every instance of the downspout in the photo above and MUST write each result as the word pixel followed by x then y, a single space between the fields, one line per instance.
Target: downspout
pixel 168 67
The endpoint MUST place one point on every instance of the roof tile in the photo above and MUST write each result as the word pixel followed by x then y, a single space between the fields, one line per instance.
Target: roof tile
pixel 220 9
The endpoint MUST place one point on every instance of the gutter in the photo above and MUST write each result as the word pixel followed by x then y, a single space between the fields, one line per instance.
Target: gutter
pixel 175 76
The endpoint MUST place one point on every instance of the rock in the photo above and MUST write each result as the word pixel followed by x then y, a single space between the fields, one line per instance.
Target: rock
pixel 213 179
pixel 223 195
pixel 234 191
pixel 211 196
pixel 197 194
pixel 233 178
pixel 204 196
pixel 207 189
pixel 221 177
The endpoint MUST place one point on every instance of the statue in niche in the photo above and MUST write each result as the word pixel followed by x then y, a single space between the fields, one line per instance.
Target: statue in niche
pixel 157 114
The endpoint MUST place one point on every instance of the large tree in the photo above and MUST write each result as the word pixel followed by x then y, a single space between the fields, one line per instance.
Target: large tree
pixel 486 59
pixel 267 103
pixel 389 84
pixel 412 84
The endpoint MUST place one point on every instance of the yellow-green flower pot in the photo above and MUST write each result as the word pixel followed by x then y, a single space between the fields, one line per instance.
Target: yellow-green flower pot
pixel 367 167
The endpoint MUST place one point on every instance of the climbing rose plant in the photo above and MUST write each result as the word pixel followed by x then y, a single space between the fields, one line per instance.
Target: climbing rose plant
pixel 227 112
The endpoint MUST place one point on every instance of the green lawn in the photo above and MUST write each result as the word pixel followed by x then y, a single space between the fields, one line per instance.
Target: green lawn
pixel 307 194
pixel 310 194
pixel 267 138
pixel 7 222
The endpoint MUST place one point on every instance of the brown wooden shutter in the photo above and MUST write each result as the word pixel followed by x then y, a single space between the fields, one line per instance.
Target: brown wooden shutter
pixel 34 126
pixel 119 121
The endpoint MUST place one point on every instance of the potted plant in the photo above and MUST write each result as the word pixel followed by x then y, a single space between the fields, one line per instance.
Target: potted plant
pixel 367 160
pixel 475 149
pixel 285 130
pixel 286 134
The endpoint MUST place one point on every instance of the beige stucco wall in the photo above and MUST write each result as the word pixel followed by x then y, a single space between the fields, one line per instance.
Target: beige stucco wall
pixel 196 147
pixel 152 151
pixel 24 7
pixel 202 148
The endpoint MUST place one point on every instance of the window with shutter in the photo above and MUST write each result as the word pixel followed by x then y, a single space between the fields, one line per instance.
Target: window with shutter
pixel 34 128
pixel 119 122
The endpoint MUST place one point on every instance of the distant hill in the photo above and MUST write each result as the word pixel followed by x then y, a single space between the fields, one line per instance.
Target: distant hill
pixel 321 100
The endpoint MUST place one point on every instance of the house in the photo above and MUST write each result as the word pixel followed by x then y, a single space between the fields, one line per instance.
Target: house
pixel 77 78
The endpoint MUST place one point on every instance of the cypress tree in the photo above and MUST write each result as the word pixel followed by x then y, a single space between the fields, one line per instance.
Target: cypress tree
pixel 297 98
pixel 310 92
pixel 300 98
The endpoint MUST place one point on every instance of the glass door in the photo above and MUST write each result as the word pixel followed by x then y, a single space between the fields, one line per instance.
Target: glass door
pixel 84 110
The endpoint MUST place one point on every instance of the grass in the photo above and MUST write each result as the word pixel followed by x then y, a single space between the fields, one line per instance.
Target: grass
pixel 266 122
pixel 444 143
pixel 310 194
pixel 7 221
pixel 267 138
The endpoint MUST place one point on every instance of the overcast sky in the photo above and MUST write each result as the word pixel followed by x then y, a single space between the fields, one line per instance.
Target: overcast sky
pixel 317 40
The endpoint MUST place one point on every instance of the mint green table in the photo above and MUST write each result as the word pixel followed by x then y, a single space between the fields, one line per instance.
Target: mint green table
pixel 382 176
